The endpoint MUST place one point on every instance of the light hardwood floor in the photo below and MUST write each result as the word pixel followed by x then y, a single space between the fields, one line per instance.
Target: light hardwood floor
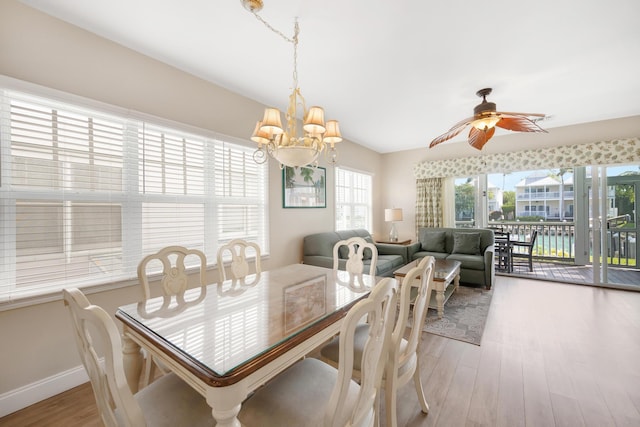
pixel 552 355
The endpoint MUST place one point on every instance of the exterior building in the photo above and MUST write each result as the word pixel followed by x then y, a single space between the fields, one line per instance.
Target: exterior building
pixel 545 196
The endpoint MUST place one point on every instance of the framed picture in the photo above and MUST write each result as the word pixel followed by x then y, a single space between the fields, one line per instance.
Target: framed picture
pixel 304 303
pixel 304 187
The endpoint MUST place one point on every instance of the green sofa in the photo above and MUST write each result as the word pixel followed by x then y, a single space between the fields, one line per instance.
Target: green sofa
pixel 473 247
pixel 318 250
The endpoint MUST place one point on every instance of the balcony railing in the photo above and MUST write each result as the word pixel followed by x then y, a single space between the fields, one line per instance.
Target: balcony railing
pixel 556 240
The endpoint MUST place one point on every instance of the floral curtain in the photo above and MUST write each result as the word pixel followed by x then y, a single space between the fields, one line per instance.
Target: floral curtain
pixel 429 211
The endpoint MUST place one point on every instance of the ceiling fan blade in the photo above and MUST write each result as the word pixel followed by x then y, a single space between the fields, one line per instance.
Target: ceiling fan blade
pixel 508 113
pixel 455 129
pixel 477 138
pixel 519 124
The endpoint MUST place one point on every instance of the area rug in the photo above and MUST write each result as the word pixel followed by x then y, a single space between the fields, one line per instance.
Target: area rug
pixel 465 315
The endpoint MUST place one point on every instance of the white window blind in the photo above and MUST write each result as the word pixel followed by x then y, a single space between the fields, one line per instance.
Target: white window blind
pixel 84 195
pixel 353 200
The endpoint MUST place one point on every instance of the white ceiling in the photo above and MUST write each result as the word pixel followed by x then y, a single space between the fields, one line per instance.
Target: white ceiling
pixel 395 73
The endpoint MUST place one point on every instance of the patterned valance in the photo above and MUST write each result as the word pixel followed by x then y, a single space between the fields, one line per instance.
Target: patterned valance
pixel 595 153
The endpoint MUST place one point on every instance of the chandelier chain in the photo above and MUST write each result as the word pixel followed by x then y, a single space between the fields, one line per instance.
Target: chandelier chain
pixel 293 41
pixel 280 33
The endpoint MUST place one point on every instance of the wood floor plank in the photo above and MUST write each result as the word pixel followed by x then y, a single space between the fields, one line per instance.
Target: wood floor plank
pixel 483 406
pixel 595 411
pixel 566 411
pixel 538 411
pixel 454 409
pixel 510 403
pixel 438 383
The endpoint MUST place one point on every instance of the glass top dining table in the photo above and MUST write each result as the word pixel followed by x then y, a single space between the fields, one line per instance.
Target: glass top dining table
pixel 227 339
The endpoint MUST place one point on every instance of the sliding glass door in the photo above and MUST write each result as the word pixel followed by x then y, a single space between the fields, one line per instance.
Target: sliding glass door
pixel 613 226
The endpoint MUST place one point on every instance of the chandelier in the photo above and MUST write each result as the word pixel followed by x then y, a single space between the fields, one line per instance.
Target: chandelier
pixel 288 145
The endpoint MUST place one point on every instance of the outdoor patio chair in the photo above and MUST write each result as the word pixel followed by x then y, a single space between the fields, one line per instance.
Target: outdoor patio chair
pixel 523 251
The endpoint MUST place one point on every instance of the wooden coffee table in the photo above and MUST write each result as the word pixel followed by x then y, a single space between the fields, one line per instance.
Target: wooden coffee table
pixel 446 278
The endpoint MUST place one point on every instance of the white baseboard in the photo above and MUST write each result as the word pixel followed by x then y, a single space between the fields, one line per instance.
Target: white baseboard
pixel 29 394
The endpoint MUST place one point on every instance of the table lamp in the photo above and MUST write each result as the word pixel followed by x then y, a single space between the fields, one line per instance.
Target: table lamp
pixel 393 215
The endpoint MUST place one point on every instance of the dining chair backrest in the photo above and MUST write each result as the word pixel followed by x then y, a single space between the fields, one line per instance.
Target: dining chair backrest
pixel 240 252
pixel 420 279
pixel 355 250
pixel 93 325
pixel 378 309
pixel 171 259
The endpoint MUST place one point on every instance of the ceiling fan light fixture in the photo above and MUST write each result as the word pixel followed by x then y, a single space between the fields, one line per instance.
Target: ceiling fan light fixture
pixel 486 122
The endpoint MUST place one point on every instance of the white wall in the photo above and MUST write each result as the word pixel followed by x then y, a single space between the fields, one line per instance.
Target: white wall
pixel 36 342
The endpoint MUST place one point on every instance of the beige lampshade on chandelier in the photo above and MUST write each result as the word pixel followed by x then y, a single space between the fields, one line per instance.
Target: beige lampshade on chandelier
pixel 288 145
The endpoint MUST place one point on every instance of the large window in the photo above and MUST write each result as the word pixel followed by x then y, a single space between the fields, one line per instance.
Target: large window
pixel 85 195
pixel 353 200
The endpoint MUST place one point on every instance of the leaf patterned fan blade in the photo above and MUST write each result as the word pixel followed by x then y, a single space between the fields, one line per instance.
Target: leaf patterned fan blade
pixel 455 130
pixel 477 138
pixel 518 124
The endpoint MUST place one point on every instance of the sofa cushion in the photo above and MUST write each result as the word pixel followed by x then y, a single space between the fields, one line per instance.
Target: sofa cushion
pixel 433 241
pixel 388 262
pixel 436 255
pixel 469 262
pixel 466 243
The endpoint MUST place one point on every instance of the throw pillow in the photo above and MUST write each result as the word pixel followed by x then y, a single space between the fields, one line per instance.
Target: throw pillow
pixel 343 252
pixel 367 252
pixel 466 243
pixel 433 241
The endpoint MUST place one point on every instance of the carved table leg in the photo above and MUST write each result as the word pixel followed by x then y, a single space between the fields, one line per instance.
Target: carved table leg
pixel 226 403
pixel 132 360
pixel 440 302
pixel 228 418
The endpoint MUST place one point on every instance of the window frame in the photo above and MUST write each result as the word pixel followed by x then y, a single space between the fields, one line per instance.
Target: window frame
pixel 350 201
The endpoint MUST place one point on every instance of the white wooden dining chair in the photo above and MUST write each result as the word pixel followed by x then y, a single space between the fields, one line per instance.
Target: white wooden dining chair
pixel 313 393
pixel 168 401
pixel 403 363
pixel 240 252
pixel 355 250
pixel 171 262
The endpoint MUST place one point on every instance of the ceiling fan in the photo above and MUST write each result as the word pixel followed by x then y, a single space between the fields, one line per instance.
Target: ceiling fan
pixel 484 120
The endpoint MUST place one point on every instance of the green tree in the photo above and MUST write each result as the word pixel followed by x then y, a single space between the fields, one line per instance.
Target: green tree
pixel 465 200
pixel 509 198
pixel 509 205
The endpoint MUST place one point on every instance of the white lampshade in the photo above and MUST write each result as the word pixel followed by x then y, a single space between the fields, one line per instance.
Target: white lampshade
pixel 271 121
pixel 314 121
pixel 394 214
pixel 260 136
pixel 332 135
